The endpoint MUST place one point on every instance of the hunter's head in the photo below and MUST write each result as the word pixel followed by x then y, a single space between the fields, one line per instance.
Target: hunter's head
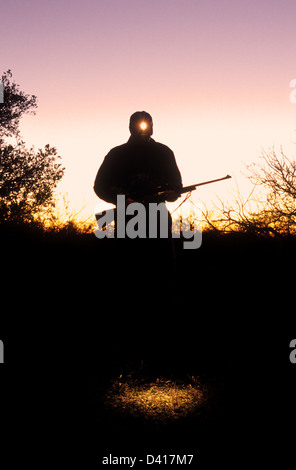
pixel 141 126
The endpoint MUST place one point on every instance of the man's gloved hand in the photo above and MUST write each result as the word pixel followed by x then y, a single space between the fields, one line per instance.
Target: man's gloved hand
pixel 171 196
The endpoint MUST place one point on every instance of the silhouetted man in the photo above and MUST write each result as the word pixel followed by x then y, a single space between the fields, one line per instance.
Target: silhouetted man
pixel 138 166
pixel 134 170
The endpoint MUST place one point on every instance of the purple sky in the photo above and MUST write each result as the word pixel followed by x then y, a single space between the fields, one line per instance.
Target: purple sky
pixel 214 74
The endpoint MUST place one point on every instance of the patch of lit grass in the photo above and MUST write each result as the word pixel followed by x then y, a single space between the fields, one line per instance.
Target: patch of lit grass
pixel 160 400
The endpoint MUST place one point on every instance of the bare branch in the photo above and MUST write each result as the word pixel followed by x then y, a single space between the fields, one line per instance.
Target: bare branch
pixel 270 207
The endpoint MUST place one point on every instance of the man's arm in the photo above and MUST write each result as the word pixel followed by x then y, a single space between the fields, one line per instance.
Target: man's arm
pixel 104 185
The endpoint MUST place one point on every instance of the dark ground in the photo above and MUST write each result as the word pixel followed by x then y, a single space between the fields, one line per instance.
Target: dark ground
pixel 77 314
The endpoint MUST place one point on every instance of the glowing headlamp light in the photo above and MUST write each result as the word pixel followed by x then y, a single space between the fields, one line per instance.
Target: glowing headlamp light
pixel 143 126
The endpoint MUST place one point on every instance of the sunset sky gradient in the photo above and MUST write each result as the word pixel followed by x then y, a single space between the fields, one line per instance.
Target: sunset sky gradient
pixel 214 74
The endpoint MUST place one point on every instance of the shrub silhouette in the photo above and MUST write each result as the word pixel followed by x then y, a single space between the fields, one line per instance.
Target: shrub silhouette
pixel 28 178
pixel 270 208
pixel 27 181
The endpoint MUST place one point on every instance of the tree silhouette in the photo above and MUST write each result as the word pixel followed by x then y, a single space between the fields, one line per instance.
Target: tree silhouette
pixel 16 103
pixel 28 178
pixel 27 181
pixel 277 174
pixel 270 208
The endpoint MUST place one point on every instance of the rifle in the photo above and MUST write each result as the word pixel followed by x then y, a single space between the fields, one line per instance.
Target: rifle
pixel 187 189
pixel 157 194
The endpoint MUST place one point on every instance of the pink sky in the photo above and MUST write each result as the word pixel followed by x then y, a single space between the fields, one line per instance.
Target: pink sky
pixel 214 74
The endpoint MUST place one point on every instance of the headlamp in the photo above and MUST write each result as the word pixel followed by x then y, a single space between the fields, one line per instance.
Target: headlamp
pixel 143 125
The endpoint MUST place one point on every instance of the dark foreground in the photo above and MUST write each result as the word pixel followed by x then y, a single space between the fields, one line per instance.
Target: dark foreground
pixel 85 319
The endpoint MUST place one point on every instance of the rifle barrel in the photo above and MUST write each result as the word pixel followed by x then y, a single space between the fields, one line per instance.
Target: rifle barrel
pixel 187 189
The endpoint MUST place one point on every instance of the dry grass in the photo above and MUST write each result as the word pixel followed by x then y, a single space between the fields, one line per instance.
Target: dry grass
pixel 160 400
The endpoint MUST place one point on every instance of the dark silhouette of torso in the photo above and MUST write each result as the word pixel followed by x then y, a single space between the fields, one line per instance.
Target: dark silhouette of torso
pixel 135 168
